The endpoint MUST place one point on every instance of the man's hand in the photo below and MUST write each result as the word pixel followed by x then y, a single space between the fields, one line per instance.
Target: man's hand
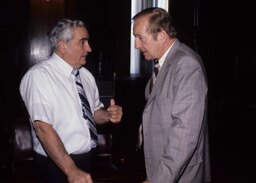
pixel 79 176
pixel 115 112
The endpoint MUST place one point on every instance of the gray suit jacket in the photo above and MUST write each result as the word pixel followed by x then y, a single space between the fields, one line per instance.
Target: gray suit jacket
pixel 174 120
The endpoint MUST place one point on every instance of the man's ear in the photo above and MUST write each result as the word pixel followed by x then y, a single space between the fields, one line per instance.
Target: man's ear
pixel 61 46
pixel 162 35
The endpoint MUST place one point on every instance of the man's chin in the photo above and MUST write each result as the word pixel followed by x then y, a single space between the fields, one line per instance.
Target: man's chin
pixel 147 57
pixel 83 62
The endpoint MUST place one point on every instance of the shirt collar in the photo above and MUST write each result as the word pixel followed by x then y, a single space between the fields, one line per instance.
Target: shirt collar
pixel 162 59
pixel 63 66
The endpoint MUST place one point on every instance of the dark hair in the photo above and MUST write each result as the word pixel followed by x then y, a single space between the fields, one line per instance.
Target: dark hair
pixel 63 30
pixel 159 19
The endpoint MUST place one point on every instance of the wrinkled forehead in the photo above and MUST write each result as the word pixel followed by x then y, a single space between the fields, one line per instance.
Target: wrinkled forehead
pixel 141 24
pixel 81 32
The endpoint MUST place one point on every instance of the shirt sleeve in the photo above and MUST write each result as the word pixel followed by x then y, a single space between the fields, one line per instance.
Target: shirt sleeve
pixel 37 96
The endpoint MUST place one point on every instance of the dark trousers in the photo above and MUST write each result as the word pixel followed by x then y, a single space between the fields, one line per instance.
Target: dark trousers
pixel 48 172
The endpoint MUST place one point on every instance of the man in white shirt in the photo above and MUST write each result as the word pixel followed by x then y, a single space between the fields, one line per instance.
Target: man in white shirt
pixel 61 137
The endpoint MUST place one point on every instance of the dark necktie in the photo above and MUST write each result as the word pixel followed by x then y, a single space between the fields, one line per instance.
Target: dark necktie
pixel 87 114
pixel 155 73
pixel 156 67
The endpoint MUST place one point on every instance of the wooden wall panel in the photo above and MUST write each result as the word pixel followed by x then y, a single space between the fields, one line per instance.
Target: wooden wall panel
pixel 44 14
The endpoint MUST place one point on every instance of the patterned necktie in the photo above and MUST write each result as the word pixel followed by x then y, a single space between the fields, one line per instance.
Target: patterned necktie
pixel 87 114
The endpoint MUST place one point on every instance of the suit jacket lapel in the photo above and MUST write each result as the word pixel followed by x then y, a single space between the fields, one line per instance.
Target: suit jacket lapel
pixel 161 75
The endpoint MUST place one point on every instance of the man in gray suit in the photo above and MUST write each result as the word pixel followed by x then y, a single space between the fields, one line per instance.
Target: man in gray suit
pixel 174 123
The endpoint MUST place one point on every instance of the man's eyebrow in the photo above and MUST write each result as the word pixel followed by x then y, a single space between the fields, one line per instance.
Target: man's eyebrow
pixel 84 39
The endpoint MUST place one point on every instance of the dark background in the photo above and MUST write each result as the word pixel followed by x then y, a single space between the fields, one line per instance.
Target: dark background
pixel 223 33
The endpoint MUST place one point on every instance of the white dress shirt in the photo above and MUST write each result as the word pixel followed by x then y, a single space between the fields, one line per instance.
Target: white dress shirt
pixel 50 95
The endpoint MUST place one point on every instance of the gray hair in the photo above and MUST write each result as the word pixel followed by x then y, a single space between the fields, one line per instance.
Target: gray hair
pixel 63 30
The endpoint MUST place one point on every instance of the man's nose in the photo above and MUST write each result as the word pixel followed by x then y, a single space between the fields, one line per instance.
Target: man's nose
pixel 137 45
